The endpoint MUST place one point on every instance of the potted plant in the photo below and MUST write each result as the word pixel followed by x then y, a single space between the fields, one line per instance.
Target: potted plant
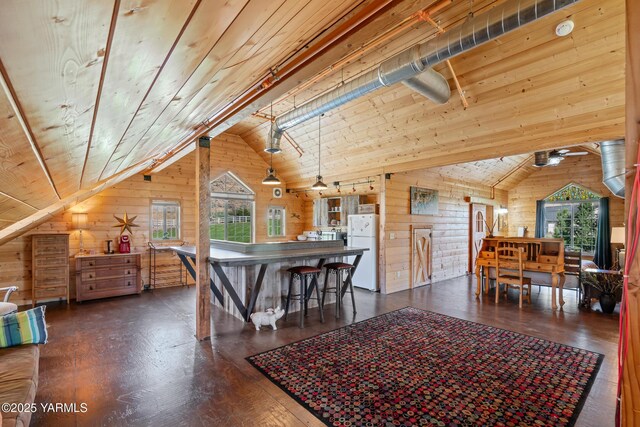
pixel 609 284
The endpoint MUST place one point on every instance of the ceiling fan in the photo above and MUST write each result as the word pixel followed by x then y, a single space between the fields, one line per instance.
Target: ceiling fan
pixel 554 157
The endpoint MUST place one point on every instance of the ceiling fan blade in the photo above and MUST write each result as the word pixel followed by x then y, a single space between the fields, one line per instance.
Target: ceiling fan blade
pixel 577 153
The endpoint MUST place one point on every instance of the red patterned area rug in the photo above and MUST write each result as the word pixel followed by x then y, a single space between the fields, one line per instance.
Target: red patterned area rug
pixel 414 367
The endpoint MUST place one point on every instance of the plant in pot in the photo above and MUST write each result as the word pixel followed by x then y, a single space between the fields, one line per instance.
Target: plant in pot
pixel 609 285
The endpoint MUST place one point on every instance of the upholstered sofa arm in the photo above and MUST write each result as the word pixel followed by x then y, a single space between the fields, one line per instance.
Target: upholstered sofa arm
pixel 9 290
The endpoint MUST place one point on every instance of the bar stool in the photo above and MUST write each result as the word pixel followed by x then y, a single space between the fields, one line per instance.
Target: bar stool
pixel 303 272
pixel 338 268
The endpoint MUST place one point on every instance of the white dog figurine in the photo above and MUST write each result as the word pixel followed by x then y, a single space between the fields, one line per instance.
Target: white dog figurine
pixel 269 317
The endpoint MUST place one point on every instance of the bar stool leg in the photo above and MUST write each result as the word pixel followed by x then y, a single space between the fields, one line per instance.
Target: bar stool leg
pixel 302 292
pixel 318 299
pixel 353 298
pixel 338 294
pixel 324 289
pixel 306 297
pixel 286 308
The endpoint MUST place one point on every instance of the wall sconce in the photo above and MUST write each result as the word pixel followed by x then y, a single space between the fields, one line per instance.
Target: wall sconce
pixel 80 221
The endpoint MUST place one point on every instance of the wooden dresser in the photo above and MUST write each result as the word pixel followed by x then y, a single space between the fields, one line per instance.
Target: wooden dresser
pixel 104 276
pixel 50 267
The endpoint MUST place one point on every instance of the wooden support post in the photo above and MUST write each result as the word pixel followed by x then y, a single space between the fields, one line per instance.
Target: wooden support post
pixel 203 207
pixel 382 255
pixel 630 381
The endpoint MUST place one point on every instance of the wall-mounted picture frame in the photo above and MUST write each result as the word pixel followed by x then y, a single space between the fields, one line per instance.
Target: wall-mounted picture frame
pixel 424 201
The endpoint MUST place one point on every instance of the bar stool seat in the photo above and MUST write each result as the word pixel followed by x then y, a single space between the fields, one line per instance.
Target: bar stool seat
pixel 304 269
pixel 338 268
pixel 303 272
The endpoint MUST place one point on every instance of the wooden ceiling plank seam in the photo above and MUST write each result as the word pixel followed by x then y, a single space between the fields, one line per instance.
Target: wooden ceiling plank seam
pixel 244 100
pixel 155 79
pixel 201 102
pixel 5 81
pixel 171 126
pixel 184 84
pixel 105 63
pixel 9 196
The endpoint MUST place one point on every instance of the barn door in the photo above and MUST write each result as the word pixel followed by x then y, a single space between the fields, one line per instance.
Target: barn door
pixel 420 257
pixel 477 227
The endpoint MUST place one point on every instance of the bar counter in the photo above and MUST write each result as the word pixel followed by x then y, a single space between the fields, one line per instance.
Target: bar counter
pixel 248 276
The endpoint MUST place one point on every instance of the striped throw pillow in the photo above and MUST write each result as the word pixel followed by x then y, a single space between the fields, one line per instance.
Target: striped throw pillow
pixel 25 327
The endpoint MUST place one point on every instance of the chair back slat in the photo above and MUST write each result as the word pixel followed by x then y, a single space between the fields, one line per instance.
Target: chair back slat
pixel 509 258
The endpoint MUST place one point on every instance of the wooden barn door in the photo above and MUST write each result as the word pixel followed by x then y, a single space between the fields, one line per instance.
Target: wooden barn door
pixel 420 256
pixel 477 227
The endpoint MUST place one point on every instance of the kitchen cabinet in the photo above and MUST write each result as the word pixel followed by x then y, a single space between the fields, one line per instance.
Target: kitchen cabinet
pixel 320 213
pixel 334 211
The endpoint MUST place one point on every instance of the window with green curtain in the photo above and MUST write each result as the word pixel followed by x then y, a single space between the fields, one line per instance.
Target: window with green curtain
pixel 571 214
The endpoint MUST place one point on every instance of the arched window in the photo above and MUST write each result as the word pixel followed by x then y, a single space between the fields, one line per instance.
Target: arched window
pixel 232 209
pixel 479 222
pixel 571 214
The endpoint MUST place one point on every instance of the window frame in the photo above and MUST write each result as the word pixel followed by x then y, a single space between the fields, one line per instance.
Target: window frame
pixel 572 206
pixel 165 202
pixel 283 227
pixel 226 198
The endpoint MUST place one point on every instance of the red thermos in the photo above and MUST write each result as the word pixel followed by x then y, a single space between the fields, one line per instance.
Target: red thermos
pixel 125 244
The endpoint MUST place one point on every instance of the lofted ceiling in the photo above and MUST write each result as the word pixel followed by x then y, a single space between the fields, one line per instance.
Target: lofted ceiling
pixel 93 91
pixel 528 90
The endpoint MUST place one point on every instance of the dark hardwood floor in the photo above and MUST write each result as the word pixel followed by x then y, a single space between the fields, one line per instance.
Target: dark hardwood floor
pixel 135 361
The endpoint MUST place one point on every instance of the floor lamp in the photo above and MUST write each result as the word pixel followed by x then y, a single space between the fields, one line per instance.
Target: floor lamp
pixel 80 222
pixel 618 237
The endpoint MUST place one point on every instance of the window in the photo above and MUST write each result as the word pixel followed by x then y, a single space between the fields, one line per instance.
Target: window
pixel 165 220
pixel 232 212
pixel 571 214
pixel 275 221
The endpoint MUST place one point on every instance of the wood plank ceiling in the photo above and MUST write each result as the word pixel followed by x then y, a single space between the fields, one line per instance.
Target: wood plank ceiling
pixel 528 90
pixel 95 88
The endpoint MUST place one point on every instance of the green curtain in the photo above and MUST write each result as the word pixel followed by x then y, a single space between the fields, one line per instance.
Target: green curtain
pixel 602 257
pixel 540 218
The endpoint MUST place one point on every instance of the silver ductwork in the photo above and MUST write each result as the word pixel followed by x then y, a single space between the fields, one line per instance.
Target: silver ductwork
pixel 613 166
pixel 407 65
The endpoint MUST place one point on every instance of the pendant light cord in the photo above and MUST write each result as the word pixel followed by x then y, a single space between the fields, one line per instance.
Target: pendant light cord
pixel 319 149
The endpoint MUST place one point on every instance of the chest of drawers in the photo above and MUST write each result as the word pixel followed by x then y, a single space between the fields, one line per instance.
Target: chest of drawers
pixel 50 267
pixel 104 276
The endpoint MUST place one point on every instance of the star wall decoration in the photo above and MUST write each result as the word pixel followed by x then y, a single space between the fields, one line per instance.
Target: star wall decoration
pixel 125 223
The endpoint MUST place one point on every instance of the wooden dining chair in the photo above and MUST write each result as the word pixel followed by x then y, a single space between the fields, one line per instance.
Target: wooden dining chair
pixel 509 271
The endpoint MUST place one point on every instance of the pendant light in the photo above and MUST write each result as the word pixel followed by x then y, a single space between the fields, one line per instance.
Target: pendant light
pixel 319 185
pixel 271 178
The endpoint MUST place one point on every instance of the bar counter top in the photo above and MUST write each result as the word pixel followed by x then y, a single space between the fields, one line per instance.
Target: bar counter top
pixel 230 253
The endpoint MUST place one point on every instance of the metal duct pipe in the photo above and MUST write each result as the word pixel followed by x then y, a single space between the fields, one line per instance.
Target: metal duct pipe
pixel 431 85
pixel 413 61
pixel 613 167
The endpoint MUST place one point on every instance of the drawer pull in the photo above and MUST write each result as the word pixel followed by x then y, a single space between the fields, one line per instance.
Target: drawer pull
pixel 128 271
pixel 128 283
pixel 91 263
pixel 90 288
pixel 128 261
pixel 90 276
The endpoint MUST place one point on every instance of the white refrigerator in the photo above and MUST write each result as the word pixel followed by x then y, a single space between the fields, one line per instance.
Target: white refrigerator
pixel 363 233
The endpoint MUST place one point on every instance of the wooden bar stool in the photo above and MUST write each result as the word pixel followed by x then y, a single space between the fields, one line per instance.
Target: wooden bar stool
pixel 303 272
pixel 338 268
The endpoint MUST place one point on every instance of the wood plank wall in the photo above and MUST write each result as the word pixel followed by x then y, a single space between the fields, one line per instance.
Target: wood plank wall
pixel 585 170
pixel 450 226
pixel 134 195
